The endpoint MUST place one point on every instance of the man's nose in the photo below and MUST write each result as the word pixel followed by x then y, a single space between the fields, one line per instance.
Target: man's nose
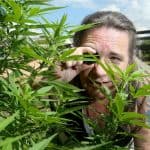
pixel 99 70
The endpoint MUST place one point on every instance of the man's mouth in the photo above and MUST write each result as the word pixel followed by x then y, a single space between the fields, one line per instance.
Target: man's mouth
pixel 96 89
pixel 98 83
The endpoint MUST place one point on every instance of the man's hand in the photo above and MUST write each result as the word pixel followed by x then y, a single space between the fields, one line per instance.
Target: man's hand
pixel 70 69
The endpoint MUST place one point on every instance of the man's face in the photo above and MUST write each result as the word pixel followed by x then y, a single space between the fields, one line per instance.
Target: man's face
pixel 112 47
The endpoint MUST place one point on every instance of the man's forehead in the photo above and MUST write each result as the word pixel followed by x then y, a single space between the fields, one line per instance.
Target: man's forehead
pixel 106 37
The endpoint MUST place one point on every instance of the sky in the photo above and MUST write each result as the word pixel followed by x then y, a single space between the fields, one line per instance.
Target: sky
pixel 136 10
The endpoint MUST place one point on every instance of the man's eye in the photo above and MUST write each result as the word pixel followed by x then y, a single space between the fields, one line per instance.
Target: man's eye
pixel 115 59
pixel 90 58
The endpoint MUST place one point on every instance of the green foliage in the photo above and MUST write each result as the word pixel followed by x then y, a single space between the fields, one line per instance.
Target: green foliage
pixel 5 122
pixel 34 104
pixel 42 144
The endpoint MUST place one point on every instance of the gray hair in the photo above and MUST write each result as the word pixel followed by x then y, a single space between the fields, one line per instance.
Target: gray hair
pixel 109 19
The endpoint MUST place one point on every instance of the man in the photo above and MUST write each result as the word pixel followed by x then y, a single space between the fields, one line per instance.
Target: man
pixel 113 39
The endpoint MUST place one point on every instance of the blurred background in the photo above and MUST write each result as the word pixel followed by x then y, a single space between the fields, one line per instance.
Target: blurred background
pixel 136 10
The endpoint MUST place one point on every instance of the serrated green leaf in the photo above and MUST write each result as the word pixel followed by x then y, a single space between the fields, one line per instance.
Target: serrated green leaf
pixel 37 2
pixel 30 52
pixel 120 102
pixel 81 27
pixel 44 90
pixel 60 27
pixel 92 147
pixel 67 53
pixel 139 123
pixel 130 69
pixel 136 75
pixel 45 10
pixel 8 146
pixel 126 116
pixel 143 91
pixel 10 140
pixel 42 144
pixel 8 120
pixel 16 9
pixel 66 86
pixel 35 26
pixel 34 11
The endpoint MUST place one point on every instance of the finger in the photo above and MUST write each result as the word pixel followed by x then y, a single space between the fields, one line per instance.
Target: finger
pixel 79 63
pixel 57 71
pixel 82 50
pixel 69 64
pixel 74 63
pixel 88 50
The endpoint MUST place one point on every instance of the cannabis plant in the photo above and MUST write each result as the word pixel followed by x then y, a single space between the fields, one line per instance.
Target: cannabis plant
pixel 34 105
